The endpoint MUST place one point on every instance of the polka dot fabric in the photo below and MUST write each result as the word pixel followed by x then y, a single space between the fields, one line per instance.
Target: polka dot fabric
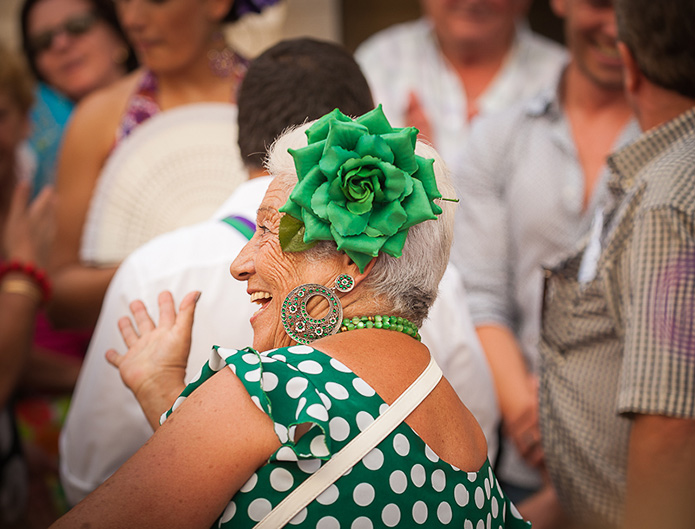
pixel 400 483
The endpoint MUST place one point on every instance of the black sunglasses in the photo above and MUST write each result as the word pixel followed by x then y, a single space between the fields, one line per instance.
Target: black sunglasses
pixel 77 25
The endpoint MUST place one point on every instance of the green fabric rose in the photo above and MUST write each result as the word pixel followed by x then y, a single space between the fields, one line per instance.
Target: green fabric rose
pixel 361 185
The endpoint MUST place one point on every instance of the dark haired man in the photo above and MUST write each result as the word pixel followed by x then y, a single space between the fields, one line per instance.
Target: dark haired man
pixel 618 339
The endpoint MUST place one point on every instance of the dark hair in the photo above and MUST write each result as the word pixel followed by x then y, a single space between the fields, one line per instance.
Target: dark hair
pixel 292 82
pixel 661 36
pixel 104 9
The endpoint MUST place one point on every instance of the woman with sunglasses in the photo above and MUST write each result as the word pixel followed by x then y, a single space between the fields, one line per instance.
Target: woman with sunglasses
pixel 73 47
pixel 184 59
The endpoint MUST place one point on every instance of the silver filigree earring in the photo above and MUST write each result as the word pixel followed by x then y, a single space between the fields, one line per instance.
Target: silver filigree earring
pixel 297 322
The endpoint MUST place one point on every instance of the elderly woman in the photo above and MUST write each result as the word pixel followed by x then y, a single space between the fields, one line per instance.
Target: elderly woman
pixel 354 220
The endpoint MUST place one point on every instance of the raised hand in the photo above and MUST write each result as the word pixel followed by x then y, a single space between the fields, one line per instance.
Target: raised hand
pixel 154 366
pixel 30 227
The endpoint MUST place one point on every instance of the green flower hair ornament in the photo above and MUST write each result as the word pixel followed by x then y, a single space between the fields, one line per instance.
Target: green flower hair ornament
pixel 361 185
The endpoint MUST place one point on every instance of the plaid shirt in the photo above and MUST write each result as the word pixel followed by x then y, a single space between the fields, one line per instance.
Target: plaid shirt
pixel 623 342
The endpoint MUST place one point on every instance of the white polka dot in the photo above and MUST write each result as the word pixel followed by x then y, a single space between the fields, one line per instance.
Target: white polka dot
pixel 280 358
pixel 337 391
pixel 489 521
pixel 309 465
pixel 495 508
pixel 417 475
pixel 318 412
pixel 431 455
pixel 362 523
pixel 328 522
pixel 281 432
pixel 178 403
pixel 232 368
pixel 228 513
pixel 326 400
pixel 251 359
pixel 196 378
pixel 487 488
pixel 339 429
pixel 250 484
pixel 299 517
pixel 480 525
pixel 515 512
pixel 401 444
pixel 328 496
pixel 479 498
pixel 258 508
pixel 300 406
pixel 285 453
pixel 364 419
pixel 363 494
pixel 300 349
pixel 383 408
pixel 281 479
pixel 472 476
pixel 269 381
pixel 296 386
pixel 318 446
pixel 398 481
pixel 391 515
pixel 444 513
pixel 253 376
pixel 438 480
pixel 467 524
pixel 339 366
pixel 374 459
pixel 311 367
pixel 461 495
pixel 420 512
pixel 257 402
pixel 490 476
pixel 363 388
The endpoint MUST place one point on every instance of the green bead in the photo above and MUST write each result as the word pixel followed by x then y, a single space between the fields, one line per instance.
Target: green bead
pixel 378 324
pixel 369 324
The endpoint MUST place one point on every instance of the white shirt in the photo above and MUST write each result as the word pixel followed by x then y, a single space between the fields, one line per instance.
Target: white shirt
pixel 105 424
pixel 406 58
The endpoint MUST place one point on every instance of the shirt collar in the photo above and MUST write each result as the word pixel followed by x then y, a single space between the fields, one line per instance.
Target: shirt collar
pixel 631 159
pixel 547 101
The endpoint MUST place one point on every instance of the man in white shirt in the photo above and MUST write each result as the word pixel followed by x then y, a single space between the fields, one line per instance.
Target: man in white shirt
pixel 462 59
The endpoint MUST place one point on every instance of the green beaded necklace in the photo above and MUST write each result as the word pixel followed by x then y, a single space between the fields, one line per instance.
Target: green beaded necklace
pixel 393 323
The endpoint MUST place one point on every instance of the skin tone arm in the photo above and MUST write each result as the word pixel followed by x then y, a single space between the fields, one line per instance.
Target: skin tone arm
pixel 79 290
pixel 661 473
pixel 516 390
pixel 186 448
pixel 28 232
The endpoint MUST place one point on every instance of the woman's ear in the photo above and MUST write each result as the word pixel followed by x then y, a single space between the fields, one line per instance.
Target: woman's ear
pixel 350 267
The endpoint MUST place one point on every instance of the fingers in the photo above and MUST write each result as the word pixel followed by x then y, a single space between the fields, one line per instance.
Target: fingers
pixel 187 309
pixel 114 358
pixel 128 332
pixel 167 309
pixel 142 318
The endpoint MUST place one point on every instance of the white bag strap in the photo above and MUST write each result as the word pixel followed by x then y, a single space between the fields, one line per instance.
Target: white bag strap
pixel 354 451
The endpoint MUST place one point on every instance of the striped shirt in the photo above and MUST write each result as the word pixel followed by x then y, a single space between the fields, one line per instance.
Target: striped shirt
pixel 623 342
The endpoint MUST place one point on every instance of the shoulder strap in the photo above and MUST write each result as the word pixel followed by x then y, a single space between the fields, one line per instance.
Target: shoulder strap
pixel 354 451
pixel 243 225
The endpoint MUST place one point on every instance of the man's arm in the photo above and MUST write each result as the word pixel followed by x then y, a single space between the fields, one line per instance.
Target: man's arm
pixel 661 473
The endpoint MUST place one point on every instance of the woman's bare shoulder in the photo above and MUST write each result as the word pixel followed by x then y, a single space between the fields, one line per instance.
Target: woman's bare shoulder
pixel 105 106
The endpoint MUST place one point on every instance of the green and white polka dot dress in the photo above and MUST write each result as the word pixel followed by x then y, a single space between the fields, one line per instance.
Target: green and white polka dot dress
pixel 401 483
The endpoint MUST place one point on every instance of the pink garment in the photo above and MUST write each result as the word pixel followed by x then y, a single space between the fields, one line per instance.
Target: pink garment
pixel 64 342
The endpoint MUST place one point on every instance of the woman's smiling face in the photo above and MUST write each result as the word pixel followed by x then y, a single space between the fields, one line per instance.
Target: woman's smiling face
pixel 271 273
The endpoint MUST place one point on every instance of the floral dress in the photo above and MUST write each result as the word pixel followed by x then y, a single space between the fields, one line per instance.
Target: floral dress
pixel 400 483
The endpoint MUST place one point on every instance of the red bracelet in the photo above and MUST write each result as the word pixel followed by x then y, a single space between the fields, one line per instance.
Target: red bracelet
pixel 30 270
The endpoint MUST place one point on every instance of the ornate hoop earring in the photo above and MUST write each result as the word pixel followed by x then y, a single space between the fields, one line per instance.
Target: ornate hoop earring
pixel 297 322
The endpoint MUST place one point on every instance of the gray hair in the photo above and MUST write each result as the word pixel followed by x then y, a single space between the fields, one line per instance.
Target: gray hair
pixel 408 284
